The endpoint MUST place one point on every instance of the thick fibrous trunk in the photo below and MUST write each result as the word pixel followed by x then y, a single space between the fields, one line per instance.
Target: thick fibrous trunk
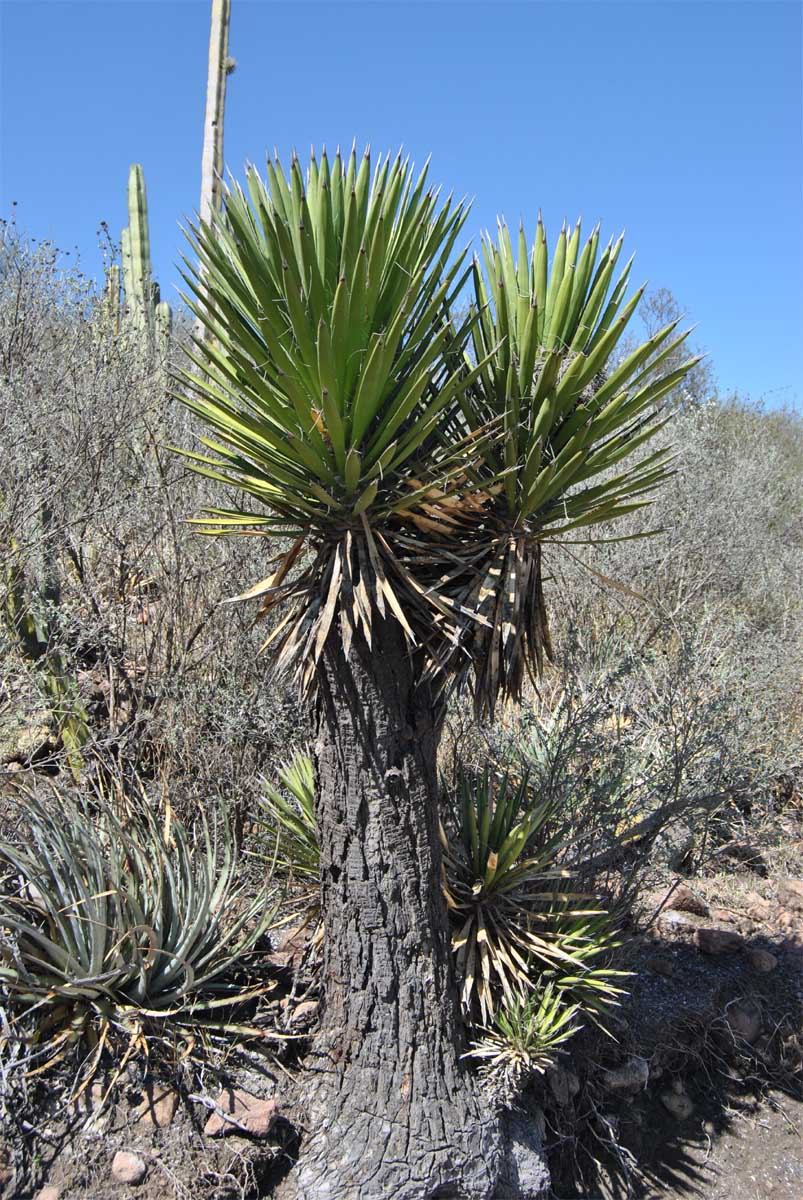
pixel 390 1110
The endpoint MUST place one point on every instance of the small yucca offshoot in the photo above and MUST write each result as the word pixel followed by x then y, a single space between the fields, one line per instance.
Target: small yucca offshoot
pixel 518 924
pixel 542 341
pixel 289 824
pixel 113 926
pixel 501 850
pixel 591 938
pixel 523 1040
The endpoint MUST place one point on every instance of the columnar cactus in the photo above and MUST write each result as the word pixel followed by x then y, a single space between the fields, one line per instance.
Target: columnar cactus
pixel 112 299
pixel 141 309
pixel 220 65
pixel 138 286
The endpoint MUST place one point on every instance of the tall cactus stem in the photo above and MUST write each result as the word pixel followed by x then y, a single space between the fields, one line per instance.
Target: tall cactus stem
pixel 128 274
pixel 140 298
pixel 163 326
pixel 212 160
pixel 112 299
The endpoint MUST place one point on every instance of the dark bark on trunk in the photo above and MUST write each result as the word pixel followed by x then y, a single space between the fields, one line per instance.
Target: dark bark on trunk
pixel 390 1109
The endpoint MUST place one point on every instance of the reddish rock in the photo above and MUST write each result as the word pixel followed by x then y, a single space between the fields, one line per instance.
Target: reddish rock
pixel 128 1167
pixel 790 894
pixel 249 1114
pixel 718 941
pixel 159 1106
pixel 48 1193
pixel 683 899
pixel 761 960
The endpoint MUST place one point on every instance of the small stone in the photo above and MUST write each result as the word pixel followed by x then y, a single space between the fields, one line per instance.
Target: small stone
pixel 787 919
pixel 677 1104
pixel 683 899
pixel 563 1084
pixel 790 893
pixel 659 965
pixel 761 960
pixel 304 1012
pixel 632 1077
pixel 744 1020
pixel 674 921
pixel 760 912
pixel 718 941
pixel 128 1167
pixel 159 1106
pixel 250 1115
pixel 48 1193
pixel 292 948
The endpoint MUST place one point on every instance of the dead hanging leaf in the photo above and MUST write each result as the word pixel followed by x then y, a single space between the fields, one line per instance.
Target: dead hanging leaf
pixel 606 579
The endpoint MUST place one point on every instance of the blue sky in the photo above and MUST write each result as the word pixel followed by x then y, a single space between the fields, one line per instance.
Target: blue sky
pixel 679 120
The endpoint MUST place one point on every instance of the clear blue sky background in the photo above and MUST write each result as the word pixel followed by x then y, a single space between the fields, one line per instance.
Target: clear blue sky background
pixel 677 119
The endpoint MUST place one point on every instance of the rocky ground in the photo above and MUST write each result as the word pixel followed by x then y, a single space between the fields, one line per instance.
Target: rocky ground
pixel 697 1093
pixel 701 1093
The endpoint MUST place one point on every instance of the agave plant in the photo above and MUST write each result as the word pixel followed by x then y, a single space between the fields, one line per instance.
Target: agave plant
pixel 290 824
pixel 110 922
pixel 542 341
pixel 524 1038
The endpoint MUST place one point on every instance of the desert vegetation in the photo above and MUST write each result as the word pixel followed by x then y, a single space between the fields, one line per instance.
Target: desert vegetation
pixel 504 708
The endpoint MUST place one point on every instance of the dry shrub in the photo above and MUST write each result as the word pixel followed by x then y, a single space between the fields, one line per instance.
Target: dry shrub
pixel 93 524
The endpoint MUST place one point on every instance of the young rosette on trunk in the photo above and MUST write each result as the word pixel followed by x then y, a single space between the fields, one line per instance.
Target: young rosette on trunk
pixel 324 381
pixel 539 373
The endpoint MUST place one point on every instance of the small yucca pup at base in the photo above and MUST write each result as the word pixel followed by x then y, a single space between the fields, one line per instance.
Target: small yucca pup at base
pixel 524 1040
pixel 416 481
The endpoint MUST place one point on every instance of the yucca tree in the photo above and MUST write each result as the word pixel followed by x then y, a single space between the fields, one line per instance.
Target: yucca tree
pixel 409 481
